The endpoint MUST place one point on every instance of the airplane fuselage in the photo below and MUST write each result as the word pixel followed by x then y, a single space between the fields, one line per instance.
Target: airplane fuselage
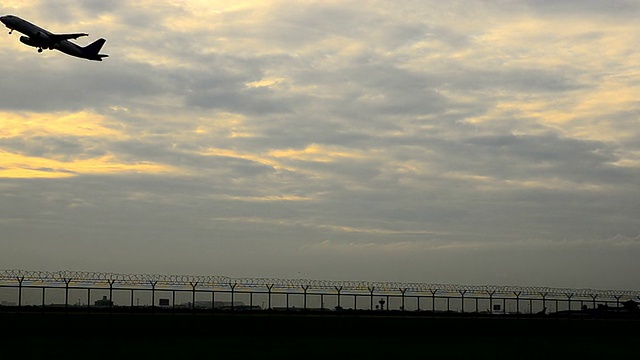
pixel 43 39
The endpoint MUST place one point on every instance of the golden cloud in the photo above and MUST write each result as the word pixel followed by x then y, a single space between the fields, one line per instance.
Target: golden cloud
pixel 34 124
pixel 81 124
pixel 318 153
pixel 21 166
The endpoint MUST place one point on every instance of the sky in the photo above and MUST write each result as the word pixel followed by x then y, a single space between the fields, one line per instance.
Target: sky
pixel 460 142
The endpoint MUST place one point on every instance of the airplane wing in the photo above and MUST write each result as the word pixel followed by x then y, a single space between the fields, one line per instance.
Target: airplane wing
pixel 59 37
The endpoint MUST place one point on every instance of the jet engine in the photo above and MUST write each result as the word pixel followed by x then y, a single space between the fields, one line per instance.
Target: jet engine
pixel 34 42
pixel 28 41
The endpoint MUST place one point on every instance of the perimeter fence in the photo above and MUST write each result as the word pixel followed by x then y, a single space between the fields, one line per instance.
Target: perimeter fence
pixel 94 291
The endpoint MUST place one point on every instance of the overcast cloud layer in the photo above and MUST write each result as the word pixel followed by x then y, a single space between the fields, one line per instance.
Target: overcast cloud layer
pixel 475 142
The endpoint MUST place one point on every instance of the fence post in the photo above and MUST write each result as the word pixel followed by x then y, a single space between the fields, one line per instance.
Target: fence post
pixel 491 301
pixel 338 289
pixel 269 287
pixel 304 299
pixel 20 280
pixel 111 282
pixel 66 292
pixel 569 296
pixel 433 301
pixel 193 295
pixel 617 297
pixel 371 289
pixel 462 293
pixel 544 303
pixel 402 291
pixel 153 294
pixel 593 297
pixel 233 287
pixel 517 294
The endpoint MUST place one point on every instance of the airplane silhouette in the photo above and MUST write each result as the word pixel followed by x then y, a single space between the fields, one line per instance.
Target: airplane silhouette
pixel 43 39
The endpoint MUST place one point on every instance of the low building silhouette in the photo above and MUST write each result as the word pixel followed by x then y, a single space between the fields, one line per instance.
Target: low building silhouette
pixel 104 302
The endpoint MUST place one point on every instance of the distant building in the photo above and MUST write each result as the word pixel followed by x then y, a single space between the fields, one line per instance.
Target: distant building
pixel 627 306
pixel 216 305
pixel 163 302
pixel 104 302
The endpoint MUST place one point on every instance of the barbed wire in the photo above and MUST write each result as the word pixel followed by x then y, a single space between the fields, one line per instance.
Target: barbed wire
pixel 300 285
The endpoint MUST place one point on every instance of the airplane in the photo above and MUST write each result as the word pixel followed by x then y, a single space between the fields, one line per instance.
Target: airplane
pixel 43 39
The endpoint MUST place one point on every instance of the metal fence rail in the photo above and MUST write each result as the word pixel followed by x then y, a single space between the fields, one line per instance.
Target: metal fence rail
pixel 113 290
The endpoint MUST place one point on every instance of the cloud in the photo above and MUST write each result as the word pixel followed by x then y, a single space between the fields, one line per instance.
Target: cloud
pixel 268 138
pixel 613 9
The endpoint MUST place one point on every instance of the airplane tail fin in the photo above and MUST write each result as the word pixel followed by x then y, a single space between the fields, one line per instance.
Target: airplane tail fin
pixel 93 49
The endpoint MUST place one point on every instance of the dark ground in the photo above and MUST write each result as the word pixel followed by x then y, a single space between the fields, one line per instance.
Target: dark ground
pixel 298 336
